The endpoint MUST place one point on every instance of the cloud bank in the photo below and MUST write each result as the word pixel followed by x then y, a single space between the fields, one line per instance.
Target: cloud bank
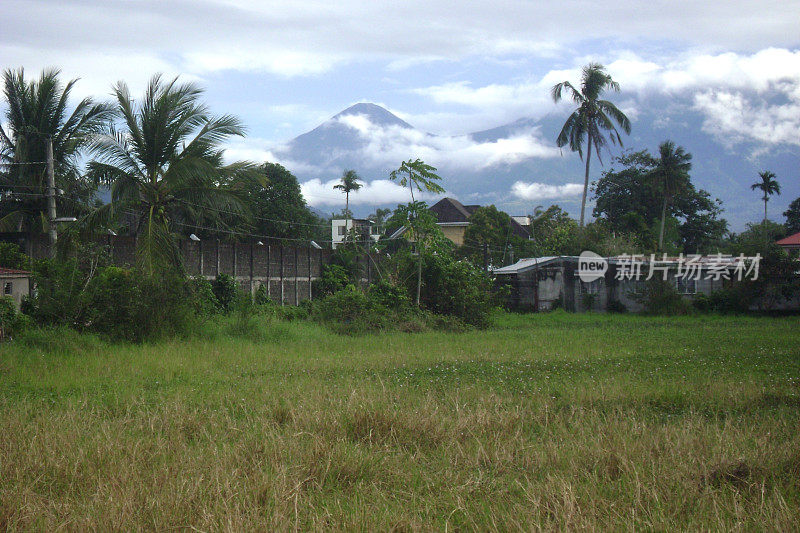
pixel 542 191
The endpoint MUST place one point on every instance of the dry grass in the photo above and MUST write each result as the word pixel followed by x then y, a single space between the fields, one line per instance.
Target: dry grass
pixel 548 423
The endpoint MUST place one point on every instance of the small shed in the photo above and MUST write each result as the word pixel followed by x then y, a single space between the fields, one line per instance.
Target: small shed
pixel 15 283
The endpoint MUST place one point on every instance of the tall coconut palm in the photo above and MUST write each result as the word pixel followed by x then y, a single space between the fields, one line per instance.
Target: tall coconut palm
pixel 348 183
pixel 671 175
pixel 769 186
pixel 592 119
pixel 165 168
pixel 38 111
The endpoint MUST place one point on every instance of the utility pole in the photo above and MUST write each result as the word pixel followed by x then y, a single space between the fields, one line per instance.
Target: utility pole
pixel 51 198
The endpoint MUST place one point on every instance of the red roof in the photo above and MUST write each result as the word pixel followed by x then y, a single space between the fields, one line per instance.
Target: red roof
pixel 6 271
pixel 791 240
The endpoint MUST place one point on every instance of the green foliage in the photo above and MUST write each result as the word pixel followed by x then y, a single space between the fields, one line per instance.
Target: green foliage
pixel 661 298
pixel 202 291
pixel 11 321
pixel 417 173
pixel 350 311
pixel 490 227
pixel 615 306
pixel 449 286
pixel 390 296
pixel 588 301
pixel 630 201
pixel 792 215
pixel 278 207
pixel 226 291
pixel 114 302
pixel 35 111
pixel 165 166
pixel 593 119
pixel 261 296
pixel 11 256
pixel 768 186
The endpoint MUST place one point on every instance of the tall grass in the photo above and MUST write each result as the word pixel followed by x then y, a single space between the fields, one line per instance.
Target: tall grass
pixel 543 422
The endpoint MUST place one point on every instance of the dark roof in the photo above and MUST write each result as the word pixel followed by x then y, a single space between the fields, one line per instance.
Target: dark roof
pixel 13 271
pixel 449 210
pixel 791 240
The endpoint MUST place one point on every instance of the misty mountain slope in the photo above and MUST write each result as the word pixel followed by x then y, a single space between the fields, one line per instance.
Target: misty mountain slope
pixel 482 167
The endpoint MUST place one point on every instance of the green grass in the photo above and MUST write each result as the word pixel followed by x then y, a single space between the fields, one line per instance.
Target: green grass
pixel 543 422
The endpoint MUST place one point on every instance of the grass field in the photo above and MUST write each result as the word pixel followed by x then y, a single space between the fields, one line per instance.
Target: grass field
pixel 542 422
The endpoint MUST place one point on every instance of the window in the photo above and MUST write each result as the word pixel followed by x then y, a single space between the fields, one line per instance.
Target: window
pixel 7 288
pixel 342 230
pixel 593 287
pixel 686 286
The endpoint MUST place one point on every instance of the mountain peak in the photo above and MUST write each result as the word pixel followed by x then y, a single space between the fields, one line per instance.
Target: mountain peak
pixel 375 113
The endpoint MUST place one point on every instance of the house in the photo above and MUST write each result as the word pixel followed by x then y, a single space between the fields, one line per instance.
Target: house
pixel 542 283
pixel 15 284
pixel 340 227
pixel 792 242
pixel 453 219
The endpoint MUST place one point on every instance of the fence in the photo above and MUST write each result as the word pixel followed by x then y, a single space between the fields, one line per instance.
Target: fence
pixel 288 272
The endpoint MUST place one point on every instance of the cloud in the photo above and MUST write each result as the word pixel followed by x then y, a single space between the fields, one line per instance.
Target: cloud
pixel 753 97
pixel 389 144
pixel 376 192
pixel 542 191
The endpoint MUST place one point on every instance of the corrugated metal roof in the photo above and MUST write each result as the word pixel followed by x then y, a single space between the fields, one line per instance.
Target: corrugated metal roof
pixel 525 264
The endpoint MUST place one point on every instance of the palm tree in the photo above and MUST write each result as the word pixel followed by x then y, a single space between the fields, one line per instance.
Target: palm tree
pixel 671 174
pixel 349 183
pixel 592 118
pixel 769 186
pixel 37 112
pixel 165 168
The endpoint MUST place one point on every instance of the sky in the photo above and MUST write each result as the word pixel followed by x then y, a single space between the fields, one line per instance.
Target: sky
pixel 448 68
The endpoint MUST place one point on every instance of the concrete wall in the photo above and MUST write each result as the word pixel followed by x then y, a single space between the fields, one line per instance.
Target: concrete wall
pixel 14 286
pixel 287 271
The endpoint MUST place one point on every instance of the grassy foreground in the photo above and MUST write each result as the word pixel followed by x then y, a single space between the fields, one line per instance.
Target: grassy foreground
pixel 543 422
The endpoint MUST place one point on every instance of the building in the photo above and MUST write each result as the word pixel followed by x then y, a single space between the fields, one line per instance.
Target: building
pixel 15 284
pixel 792 242
pixel 543 283
pixel 453 218
pixel 340 227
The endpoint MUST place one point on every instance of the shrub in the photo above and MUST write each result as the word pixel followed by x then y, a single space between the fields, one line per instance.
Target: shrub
pixel 587 301
pixel 456 288
pixel 11 322
pixel 226 291
pixel 390 296
pixel 11 256
pixel 261 296
pixel 333 279
pixel 661 298
pixel 349 311
pixel 202 292
pixel 615 306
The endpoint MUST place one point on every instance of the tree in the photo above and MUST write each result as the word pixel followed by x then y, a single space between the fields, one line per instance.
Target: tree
pixel 38 111
pixel 492 230
pixel 379 218
pixel 592 119
pixel 629 200
pixel 793 217
pixel 769 186
pixel 411 173
pixel 278 207
pixel 671 173
pixel 349 183
pixel 165 168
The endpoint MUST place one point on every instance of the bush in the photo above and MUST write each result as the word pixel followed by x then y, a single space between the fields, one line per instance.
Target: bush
pixel 225 291
pixel 11 256
pixel 261 296
pixel 11 322
pixel 615 306
pixel 349 311
pixel 661 298
pixel 389 296
pixel 333 279
pixel 202 291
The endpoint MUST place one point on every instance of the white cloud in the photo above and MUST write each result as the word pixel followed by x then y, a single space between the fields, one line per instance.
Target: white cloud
pixel 542 191
pixel 376 192
pixel 387 145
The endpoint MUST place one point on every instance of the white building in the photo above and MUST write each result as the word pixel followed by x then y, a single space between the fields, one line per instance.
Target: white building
pixel 340 227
